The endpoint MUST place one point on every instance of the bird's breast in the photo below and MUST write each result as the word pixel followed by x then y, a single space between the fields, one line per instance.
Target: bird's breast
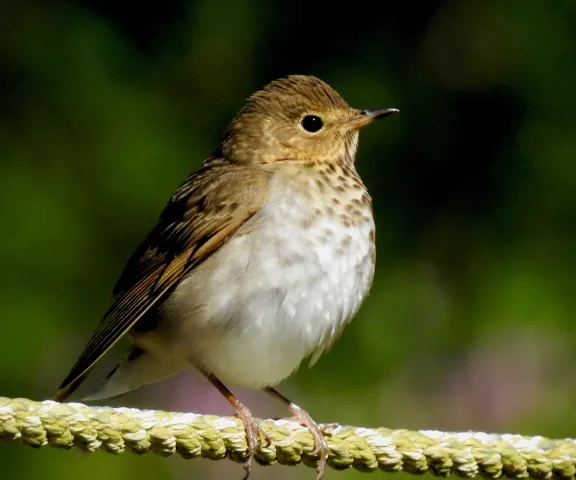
pixel 283 287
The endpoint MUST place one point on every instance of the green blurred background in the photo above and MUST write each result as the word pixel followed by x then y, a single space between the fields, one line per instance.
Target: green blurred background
pixel 106 107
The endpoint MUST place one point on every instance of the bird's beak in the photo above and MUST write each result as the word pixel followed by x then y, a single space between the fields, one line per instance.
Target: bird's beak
pixel 369 115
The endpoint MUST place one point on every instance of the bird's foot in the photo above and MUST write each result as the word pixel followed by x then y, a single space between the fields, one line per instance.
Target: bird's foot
pixel 253 430
pixel 250 424
pixel 321 449
pixel 303 418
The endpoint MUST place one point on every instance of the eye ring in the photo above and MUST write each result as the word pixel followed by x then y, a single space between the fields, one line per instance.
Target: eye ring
pixel 312 123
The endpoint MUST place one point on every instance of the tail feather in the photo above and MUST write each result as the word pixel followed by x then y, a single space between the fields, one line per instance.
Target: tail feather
pixel 67 389
pixel 139 368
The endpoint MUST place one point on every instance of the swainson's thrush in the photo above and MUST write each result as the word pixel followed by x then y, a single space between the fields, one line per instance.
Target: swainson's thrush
pixel 258 261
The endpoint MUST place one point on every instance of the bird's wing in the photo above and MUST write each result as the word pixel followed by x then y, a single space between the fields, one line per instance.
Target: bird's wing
pixel 213 203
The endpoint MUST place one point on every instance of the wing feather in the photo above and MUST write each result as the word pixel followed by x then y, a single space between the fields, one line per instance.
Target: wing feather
pixel 210 207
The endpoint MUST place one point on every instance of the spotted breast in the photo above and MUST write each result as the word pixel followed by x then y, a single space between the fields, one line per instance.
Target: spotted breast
pixel 287 283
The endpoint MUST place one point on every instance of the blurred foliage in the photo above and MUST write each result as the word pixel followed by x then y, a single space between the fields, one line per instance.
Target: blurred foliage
pixel 104 109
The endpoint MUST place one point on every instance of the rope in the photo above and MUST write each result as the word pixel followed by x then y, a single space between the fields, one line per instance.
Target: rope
pixel 116 430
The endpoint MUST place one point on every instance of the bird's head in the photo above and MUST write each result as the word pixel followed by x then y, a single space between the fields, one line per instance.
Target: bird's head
pixel 297 119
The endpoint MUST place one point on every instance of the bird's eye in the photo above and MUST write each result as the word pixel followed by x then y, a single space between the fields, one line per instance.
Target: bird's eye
pixel 312 123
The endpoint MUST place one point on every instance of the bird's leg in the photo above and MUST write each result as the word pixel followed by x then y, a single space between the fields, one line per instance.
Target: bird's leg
pixel 250 424
pixel 304 418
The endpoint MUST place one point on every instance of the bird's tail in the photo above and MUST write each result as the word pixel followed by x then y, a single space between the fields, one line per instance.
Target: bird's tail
pixel 139 368
pixel 66 391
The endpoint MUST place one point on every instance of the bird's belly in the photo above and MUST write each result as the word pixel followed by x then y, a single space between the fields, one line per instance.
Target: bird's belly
pixel 273 296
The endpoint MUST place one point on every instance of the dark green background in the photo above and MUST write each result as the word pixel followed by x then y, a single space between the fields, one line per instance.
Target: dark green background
pixel 105 108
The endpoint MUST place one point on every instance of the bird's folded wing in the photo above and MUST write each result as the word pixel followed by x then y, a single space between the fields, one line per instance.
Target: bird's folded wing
pixel 214 202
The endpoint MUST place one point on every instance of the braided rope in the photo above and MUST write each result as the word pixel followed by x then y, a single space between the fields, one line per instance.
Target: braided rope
pixel 116 430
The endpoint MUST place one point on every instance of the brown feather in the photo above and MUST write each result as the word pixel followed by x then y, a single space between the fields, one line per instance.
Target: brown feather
pixel 213 203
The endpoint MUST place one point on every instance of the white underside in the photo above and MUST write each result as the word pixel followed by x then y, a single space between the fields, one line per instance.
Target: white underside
pixel 269 299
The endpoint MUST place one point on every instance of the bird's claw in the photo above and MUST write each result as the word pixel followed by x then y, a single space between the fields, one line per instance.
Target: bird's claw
pixel 321 448
pixel 253 430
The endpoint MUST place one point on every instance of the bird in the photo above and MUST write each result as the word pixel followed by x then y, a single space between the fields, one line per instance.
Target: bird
pixel 258 261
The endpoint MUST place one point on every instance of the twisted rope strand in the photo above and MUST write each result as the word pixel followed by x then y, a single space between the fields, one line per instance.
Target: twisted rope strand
pixel 116 430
